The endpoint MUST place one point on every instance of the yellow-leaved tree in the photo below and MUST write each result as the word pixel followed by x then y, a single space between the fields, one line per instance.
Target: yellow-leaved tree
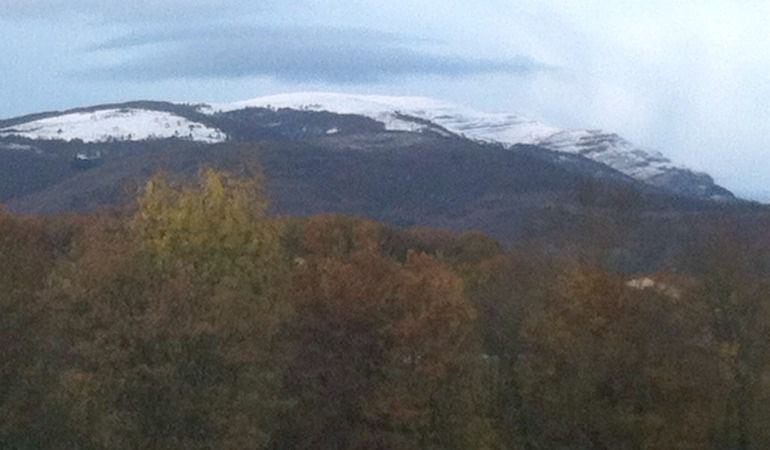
pixel 172 319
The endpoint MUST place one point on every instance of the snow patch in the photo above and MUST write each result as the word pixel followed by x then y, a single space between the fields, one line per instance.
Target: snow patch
pixel 16 147
pixel 106 125
pixel 645 283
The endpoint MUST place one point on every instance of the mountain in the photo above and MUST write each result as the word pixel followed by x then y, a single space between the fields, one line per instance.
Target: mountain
pixel 421 168
pixel 400 113
pixel 212 123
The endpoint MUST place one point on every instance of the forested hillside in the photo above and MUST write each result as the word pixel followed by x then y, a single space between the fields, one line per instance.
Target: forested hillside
pixel 192 318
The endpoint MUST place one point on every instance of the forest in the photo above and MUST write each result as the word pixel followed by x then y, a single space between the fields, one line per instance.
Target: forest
pixel 193 319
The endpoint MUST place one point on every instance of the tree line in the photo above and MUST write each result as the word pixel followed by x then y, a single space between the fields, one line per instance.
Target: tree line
pixel 195 320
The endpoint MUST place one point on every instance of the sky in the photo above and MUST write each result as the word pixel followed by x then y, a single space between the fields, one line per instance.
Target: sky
pixel 687 78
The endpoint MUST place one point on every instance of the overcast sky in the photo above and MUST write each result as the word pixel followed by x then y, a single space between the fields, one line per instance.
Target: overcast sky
pixel 689 78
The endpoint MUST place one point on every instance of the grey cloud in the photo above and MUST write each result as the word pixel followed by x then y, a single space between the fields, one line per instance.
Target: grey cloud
pixel 293 54
pixel 237 33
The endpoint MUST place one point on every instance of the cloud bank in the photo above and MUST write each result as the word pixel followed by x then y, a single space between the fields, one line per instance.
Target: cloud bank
pixel 293 54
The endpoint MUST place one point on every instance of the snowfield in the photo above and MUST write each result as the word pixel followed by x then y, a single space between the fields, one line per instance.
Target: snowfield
pixel 394 113
pixel 611 150
pixel 115 125
pixel 380 108
pixel 503 128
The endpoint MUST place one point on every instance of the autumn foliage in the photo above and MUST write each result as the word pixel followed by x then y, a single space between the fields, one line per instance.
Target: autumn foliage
pixel 195 320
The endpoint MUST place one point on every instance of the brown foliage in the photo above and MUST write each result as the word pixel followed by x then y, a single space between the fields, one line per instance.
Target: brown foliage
pixel 376 340
pixel 26 259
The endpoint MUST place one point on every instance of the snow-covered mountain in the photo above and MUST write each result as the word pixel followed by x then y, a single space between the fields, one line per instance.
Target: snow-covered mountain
pixel 398 113
pixel 140 121
pixel 104 125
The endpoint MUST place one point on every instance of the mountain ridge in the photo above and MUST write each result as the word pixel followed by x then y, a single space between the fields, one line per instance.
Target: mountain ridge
pixel 200 122
pixel 505 128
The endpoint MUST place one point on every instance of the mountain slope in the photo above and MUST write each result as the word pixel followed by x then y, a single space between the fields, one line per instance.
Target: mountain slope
pixel 399 114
